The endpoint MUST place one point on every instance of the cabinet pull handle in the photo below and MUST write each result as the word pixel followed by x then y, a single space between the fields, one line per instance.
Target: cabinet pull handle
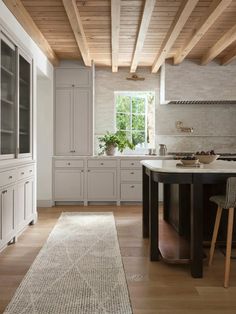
pixel 101 163
pixel 132 163
pixel 68 163
pixel 31 171
pixel 132 186
pixel 26 182
pixel 4 192
pixel 72 151
pixel 10 177
pixel 131 172
pixel 22 173
pixel 82 170
pixel 88 170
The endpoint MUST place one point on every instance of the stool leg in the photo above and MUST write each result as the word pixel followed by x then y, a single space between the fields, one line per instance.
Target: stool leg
pixel 228 246
pixel 214 237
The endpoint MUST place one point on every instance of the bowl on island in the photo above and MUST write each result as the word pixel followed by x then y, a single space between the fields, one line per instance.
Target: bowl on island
pixel 189 161
pixel 207 158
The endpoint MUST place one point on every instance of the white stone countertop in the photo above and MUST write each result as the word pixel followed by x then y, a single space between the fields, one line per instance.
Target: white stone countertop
pixel 157 157
pixel 218 166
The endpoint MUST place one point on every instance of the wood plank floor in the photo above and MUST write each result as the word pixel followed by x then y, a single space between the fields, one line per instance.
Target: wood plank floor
pixel 155 287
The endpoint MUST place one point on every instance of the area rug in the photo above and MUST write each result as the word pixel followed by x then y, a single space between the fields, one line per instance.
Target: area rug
pixel 79 270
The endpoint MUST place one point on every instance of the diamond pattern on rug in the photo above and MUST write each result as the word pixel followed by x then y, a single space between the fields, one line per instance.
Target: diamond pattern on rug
pixel 78 271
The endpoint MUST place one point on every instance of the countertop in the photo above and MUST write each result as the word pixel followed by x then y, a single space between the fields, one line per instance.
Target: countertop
pixel 156 157
pixel 169 166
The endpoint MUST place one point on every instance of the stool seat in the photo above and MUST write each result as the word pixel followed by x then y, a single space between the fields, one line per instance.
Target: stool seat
pixel 224 202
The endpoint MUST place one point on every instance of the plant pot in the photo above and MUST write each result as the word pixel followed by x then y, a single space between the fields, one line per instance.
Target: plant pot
pixel 110 151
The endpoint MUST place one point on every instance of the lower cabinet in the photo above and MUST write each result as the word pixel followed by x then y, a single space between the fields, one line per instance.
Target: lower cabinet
pixel 101 184
pixel 131 192
pixel 69 185
pixel 17 205
pixel 7 214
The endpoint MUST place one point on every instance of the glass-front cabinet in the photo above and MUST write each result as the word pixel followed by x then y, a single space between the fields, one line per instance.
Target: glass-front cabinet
pixel 15 95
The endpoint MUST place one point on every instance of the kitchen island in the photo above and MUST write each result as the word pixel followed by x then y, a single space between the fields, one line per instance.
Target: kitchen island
pixel 194 179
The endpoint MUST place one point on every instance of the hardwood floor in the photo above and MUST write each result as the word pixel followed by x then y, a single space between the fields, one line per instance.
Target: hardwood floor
pixel 155 287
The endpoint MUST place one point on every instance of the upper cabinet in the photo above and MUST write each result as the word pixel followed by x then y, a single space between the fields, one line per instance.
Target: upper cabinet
pixel 15 111
pixel 74 111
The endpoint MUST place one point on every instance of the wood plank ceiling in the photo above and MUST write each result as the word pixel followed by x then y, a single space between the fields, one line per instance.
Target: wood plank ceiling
pixel 131 33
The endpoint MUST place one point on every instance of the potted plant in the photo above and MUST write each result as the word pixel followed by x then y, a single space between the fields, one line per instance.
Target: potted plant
pixel 110 141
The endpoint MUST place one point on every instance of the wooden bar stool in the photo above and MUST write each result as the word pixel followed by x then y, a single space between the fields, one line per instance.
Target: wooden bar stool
pixel 227 202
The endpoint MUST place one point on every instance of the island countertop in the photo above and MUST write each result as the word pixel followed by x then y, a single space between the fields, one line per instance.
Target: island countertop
pixel 169 166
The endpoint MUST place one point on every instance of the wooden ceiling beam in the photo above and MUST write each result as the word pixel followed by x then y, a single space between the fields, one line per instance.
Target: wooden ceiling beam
pixel 78 30
pixel 146 18
pixel 215 10
pixel 115 32
pixel 181 18
pixel 227 39
pixel 18 10
pixel 229 57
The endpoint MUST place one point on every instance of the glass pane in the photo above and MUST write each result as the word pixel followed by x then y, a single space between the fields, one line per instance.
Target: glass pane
pixel 122 121
pixel 123 104
pixel 138 105
pixel 138 122
pixel 24 110
pixel 8 103
pixel 138 137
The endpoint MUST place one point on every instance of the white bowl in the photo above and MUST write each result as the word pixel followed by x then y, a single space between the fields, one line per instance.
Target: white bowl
pixel 207 159
pixel 189 162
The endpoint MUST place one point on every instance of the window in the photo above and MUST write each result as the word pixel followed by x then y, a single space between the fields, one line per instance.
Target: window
pixel 135 117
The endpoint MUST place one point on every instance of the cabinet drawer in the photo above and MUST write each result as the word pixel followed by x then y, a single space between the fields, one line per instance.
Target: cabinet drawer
pixel 131 175
pixel 25 172
pixel 101 163
pixel 69 163
pixel 131 192
pixel 7 177
pixel 130 164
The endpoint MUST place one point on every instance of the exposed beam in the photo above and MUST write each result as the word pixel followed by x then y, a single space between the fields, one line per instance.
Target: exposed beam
pixel 115 32
pixel 146 18
pixel 229 57
pixel 214 11
pixel 23 17
pixel 227 39
pixel 78 30
pixel 181 18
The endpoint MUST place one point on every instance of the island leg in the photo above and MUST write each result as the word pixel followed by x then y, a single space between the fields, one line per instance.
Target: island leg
pixel 145 204
pixel 196 244
pixel 154 220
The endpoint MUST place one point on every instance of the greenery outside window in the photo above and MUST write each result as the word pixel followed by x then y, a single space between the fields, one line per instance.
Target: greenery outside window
pixel 135 113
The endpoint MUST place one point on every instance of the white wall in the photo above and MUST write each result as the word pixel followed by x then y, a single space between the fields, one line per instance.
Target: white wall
pixel 214 125
pixel 44 141
pixel 42 101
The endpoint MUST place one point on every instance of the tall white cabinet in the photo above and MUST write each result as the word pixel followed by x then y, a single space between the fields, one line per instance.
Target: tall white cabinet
pixel 17 167
pixel 73 110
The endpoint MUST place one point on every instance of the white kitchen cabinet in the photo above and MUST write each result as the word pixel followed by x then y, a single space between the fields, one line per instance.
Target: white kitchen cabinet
pixel 102 184
pixel 69 185
pixel 131 192
pixel 7 209
pixel 73 111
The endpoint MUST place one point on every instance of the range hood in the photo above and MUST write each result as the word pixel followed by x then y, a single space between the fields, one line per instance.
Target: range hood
pixel 201 102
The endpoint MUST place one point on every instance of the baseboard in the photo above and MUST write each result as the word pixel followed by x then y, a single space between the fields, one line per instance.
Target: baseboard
pixel 45 203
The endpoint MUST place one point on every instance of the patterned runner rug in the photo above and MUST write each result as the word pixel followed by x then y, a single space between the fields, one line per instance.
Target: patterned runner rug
pixel 79 270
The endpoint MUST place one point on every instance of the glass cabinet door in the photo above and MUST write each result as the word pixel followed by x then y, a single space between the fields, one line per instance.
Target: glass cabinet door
pixel 8 98
pixel 24 105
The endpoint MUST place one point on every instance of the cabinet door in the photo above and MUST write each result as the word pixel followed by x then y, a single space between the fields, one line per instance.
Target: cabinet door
pixel 64 113
pixel 82 122
pixel 25 118
pixel 68 185
pixel 8 99
pixel 101 184
pixel 29 190
pixel 7 213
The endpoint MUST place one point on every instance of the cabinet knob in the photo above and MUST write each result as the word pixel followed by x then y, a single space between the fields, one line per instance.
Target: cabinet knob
pixel 22 173
pixel 132 186
pixel 101 163
pixel 27 182
pixel 10 177
pixel 68 163
pixel 88 170
pixel 4 192
pixel 31 171
pixel 82 170
pixel 132 163
pixel 131 172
